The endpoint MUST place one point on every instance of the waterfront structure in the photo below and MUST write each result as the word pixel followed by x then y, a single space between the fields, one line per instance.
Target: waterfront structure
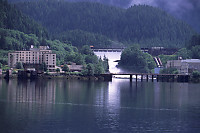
pixel 34 57
pixel 184 66
pixel 75 68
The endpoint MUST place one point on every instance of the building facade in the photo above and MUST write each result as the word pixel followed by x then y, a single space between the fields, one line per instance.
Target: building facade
pixel 35 56
pixel 184 66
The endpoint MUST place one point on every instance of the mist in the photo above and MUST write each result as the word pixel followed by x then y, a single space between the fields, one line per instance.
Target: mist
pixel 187 10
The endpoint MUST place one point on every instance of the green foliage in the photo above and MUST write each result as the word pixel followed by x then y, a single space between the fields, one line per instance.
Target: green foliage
pixel 86 50
pixel 105 64
pixel 192 50
pixel 14 72
pixel 184 53
pixel 16 40
pixel 43 67
pixel 11 18
pixel 165 58
pixel 134 60
pixel 57 70
pixel 150 62
pixel 196 75
pixel 194 41
pixel 140 24
pixel 4 56
pixel 19 65
pixel 99 68
pixel 195 52
pixel 90 69
pixel 80 38
pixel 169 71
pixel 65 68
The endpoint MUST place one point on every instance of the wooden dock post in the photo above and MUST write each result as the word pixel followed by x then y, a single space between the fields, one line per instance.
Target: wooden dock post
pixel 141 77
pixel 147 77
pixel 136 77
pixel 157 77
pixel 131 77
pixel 162 78
pixel 173 78
pixel 152 78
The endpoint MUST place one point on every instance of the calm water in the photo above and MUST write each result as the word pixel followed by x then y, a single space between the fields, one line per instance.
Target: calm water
pixel 72 106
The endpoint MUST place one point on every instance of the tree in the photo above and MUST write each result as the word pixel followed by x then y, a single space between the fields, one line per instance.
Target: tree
pixel 65 68
pixel 19 65
pixel 86 50
pixel 169 71
pixel 57 70
pixel 196 75
pixel 195 52
pixel 133 59
pixel 150 62
pixel 90 69
pixel 98 69
pixel 43 67
pixel 184 53
pixel 105 64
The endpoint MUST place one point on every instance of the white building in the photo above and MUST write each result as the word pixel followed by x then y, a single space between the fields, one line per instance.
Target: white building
pixel 184 66
pixel 33 56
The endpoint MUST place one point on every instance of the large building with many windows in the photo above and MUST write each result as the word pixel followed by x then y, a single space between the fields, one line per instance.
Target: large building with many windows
pixel 184 66
pixel 35 56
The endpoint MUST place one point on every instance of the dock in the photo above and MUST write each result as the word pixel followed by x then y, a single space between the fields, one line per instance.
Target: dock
pixel 151 77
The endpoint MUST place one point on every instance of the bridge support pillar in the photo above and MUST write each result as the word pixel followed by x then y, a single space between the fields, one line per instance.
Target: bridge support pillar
pixel 136 77
pixel 131 78
pixel 147 77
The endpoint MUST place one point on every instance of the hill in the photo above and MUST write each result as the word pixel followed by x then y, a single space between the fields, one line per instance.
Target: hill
pixel 186 10
pixel 11 18
pixel 141 24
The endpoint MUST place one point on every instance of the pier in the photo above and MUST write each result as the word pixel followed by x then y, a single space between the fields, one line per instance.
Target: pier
pixel 151 77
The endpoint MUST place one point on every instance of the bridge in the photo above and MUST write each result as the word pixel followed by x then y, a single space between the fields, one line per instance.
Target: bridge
pixel 151 76
pixel 108 50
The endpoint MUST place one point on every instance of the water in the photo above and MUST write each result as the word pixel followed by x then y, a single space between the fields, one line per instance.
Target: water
pixel 112 57
pixel 73 106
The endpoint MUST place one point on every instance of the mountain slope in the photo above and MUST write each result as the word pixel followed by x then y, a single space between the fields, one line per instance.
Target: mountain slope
pixel 186 10
pixel 141 24
pixel 11 18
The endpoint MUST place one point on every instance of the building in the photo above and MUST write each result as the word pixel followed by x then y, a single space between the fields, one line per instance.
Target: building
pixel 75 68
pixel 1 72
pixel 35 56
pixel 184 66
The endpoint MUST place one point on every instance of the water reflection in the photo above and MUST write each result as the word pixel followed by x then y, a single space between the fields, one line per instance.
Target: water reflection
pixel 60 105
pixel 112 57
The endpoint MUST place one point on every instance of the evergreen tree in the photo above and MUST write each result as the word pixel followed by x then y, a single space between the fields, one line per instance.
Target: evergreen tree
pixel 65 68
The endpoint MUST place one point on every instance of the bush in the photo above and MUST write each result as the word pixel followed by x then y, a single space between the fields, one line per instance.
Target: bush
pixel 169 71
pixel 196 75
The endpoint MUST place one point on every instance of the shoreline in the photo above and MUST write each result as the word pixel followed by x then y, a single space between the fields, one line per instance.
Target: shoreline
pixel 81 77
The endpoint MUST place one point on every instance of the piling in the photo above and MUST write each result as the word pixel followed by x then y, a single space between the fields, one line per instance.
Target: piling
pixel 141 78
pixel 147 77
pixel 136 77
pixel 131 77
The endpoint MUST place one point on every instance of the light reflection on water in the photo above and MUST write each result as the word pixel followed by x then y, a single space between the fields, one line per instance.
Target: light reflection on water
pixel 112 57
pixel 82 106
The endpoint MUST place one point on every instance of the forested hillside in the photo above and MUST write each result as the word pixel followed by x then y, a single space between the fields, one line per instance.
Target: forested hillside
pixel 33 34
pixel 141 24
pixel 11 18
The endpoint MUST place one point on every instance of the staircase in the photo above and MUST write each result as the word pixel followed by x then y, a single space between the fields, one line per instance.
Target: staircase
pixel 158 62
